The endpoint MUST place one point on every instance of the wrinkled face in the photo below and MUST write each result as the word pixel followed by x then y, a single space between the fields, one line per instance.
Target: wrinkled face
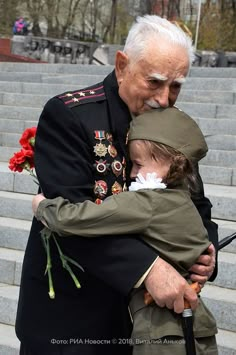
pixel 143 163
pixel 153 81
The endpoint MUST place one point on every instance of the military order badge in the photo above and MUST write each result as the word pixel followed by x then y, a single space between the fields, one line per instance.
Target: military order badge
pixel 116 188
pixel 100 189
pixel 116 167
pixel 101 166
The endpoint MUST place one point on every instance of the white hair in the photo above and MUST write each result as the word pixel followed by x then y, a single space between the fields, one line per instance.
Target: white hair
pixel 150 28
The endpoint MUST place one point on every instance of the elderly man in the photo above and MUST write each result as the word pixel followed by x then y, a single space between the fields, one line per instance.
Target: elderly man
pixel 81 154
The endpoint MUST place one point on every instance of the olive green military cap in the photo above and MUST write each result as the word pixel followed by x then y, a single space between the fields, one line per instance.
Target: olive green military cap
pixel 172 127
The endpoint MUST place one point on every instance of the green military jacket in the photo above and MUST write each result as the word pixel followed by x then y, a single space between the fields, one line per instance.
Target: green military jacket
pixel 165 218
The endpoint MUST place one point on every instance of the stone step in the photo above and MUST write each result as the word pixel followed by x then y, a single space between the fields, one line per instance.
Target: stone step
pixel 207 110
pixel 218 175
pixel 226 228
pixel 16 182
pixel 222 304
pixel 226 342
pixel 9 344
pixel 11 266
pixel 223 199
pixel 52 89
pixel 222 141
pixel 204 72
pixel 226 270
pixel 25 100
pixel 8 303
pixel 225 158
pixel 15 126
pixel 201 72
pixel 218 84
pixel 24 77
pixel 213 126
pixel 206 96
pixel 66 69
pixel 79 79
pixel 20 113
pixel 15 205
pixel 14 233
pixel 6 153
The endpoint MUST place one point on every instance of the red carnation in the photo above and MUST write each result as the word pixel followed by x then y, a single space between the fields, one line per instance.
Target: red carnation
pixel 27 139
pixel 24 159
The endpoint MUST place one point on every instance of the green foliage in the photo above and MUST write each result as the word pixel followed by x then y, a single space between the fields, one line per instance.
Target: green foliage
pixel 217 30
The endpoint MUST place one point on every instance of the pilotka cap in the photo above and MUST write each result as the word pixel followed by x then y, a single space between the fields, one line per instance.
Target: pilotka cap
pixel 172 127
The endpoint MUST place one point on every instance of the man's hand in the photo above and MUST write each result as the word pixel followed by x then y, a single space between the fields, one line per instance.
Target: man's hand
pixel 168 288
pixel 204 267
pixel 35 202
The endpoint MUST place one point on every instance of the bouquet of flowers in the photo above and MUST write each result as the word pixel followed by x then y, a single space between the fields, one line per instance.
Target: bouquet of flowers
pixel 24 160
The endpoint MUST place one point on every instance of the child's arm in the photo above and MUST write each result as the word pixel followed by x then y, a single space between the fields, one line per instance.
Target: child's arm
pixel 126 213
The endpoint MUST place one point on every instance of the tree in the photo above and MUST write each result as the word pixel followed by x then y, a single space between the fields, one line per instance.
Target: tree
pixel 218 26
pixel 35 9
pixel 8 15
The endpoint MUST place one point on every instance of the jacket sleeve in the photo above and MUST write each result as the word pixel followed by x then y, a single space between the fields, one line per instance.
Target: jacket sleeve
pixel 63 161
pixel 126 213
pixel 204 206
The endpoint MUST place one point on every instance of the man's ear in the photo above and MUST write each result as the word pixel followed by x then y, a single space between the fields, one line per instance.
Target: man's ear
pixel 121 63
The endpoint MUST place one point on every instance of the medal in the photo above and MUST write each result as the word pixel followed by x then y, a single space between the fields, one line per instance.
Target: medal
pixel 116 167
pixel 100 188
pixel 124 168
pixel 98 201
pixel 112 151
pixel 100 149
pixel 116 188
pixel 101 166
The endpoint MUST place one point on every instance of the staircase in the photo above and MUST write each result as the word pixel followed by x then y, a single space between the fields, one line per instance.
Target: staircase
pixel 209 96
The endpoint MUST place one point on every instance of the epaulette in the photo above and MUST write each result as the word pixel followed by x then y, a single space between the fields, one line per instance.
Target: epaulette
pixel 84 96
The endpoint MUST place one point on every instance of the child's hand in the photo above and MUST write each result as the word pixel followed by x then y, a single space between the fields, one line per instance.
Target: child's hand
pixel 35 202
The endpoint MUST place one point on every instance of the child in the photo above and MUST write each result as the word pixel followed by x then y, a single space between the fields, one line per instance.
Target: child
pixel 164 145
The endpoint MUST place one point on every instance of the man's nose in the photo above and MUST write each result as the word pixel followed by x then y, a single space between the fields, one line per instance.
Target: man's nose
pixel 162 97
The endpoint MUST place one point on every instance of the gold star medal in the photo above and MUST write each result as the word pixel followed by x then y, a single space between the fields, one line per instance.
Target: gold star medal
pixel 100 149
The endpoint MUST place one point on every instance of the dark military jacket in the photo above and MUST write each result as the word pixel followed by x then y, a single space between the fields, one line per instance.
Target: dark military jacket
pixel 80 154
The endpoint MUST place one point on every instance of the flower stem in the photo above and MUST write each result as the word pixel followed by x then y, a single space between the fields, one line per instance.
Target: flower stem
pixel 65 263
pixel 46 234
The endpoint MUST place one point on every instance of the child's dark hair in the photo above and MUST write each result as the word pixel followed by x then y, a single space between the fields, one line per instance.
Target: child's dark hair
pixel 181 169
